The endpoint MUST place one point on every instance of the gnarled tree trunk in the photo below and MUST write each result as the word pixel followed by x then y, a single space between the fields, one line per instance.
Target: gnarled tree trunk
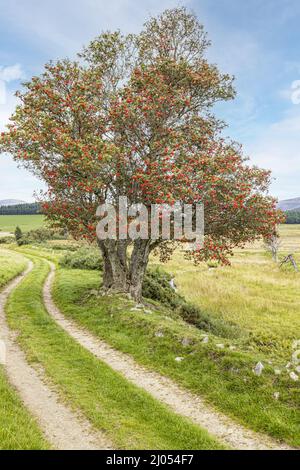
pixel 121 275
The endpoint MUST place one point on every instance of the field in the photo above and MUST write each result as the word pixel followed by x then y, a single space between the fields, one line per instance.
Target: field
pixel 8 223
pixel 253 293
pixel 254 305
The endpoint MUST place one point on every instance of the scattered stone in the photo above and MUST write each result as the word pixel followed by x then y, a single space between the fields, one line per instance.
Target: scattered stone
pixel 235 370
pixel 294 376
pixel 296 344
pixel 232 348
pixel 139 306
pixel 296 357
pixel 179 359
pixel 205 339
pixel 258 368
pixel 288 365
pixel 186 342
pixel 148 312
pixel 276 395
pixel 220 345
pixel 134 309
pixel 277 371
pixel 172 284
pixel 297 369
pixel 159 334
pixel 270 362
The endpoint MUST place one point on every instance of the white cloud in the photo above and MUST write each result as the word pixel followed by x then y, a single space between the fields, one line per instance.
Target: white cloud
pixel 64 26
pixel 13 72
pixel 278 146
pixel 7 75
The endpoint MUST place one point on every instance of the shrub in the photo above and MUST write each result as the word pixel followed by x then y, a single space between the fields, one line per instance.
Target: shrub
pixel 157 287
pixel 18 235
pixel 41 235
pixel 4 240
pixel 84 258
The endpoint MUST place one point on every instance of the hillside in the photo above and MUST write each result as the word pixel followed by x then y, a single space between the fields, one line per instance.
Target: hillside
pixel 11 202
pixel 289 204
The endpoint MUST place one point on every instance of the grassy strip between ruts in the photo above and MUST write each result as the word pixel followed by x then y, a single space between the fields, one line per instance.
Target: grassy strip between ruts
pixel 18 430
pixel 224 376
pixel 131 418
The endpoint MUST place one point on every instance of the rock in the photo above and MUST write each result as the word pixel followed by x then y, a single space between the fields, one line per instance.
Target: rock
pixel 220 346
pixel 172 284
pixel 288 365
pixel 205 339
pixel 179 359
pixel 258 368
pixel 232 348
pixel 186 342
pixel 159 334
pixel 296 357
pixel 277 371
pixel 276 395
pixel 296 344
pixel 297 369
pixel 134 309
pixel 148 312
pixel 139 306
pixel 294 376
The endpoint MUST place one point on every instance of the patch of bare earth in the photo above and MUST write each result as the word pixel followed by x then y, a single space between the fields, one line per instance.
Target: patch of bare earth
pixel 163 389
pixel 64 429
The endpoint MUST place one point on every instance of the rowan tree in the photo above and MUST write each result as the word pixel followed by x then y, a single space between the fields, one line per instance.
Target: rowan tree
pixel 133 116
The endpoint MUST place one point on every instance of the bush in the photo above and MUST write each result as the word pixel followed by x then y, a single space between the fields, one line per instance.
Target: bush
pixel 6 240
pixel 18 235
pixel 157 287
pixel 84 258
pixel 41 235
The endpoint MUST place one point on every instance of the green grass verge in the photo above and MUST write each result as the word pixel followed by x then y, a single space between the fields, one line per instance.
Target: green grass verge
pixel 18 430
pixel 131 418
pixel 224 376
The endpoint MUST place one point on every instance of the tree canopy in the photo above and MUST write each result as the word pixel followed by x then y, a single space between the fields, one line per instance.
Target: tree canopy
pixel 133 116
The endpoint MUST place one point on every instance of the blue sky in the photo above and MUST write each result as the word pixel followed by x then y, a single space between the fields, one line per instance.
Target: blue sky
pixel 257 41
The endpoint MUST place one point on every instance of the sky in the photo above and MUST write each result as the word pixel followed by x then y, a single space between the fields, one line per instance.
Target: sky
pixel 257 41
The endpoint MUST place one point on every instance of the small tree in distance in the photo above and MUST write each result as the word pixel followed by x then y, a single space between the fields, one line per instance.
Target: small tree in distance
pixel 18 235
pixel 133 117
pixel 272 244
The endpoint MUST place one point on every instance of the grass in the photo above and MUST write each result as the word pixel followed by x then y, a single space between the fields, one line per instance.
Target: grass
pixel 8 223
pixel 131 418
pixel 18 430
pixel 254 293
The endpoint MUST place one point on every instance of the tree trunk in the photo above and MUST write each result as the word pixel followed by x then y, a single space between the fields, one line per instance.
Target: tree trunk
pixel 138 265
pixel 119 275
pixel 115 273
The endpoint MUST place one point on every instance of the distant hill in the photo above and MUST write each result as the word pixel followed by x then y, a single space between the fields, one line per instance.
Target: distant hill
pixel 289 204
pixel 11 202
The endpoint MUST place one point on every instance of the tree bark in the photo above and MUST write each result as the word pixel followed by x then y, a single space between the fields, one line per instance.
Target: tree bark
pixel 115 273
pixel 138 265
pixel 122 276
